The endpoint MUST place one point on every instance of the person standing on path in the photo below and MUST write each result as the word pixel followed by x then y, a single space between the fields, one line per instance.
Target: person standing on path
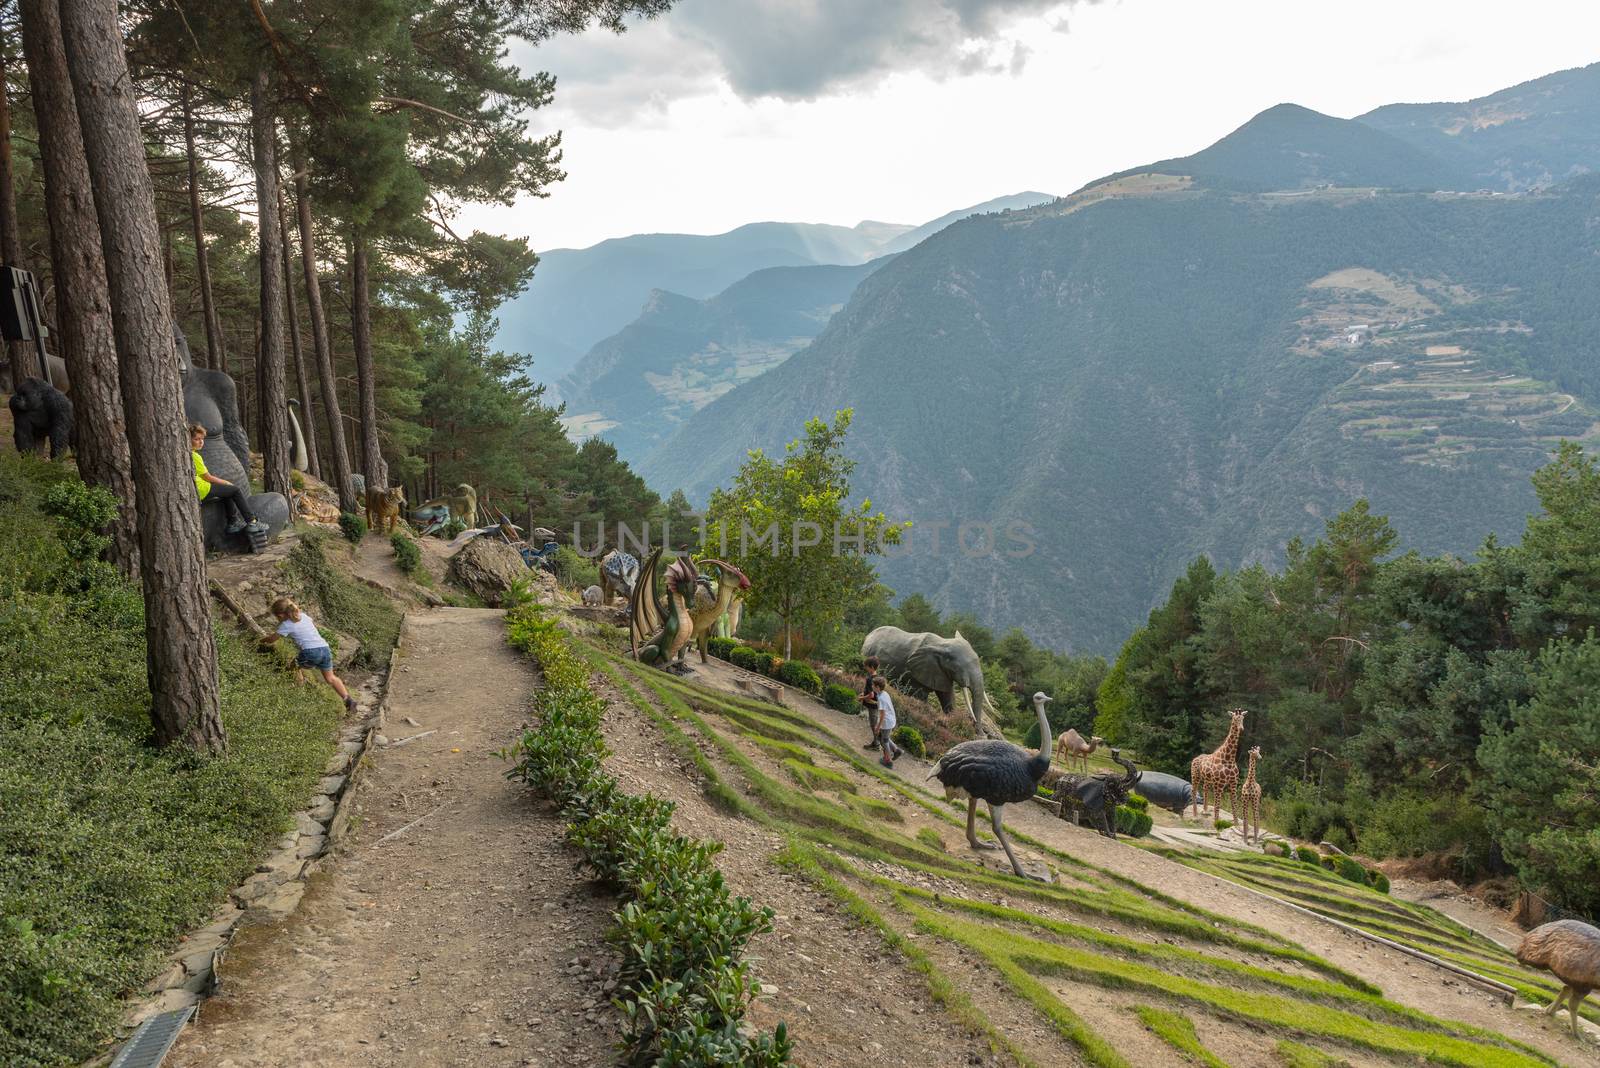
pixel 884 721
pixel 869 700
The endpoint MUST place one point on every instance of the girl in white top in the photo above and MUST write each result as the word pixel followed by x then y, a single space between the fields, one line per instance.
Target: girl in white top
pixel 298 627
pixel 884 722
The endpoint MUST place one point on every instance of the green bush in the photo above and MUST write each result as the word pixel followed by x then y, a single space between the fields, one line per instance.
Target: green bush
pixel 1307 855
pixel 1132 822
pixel 297 479
pixel 1377 880
pixel 113 849
pixel 352 526
pixel 406 554
pixel 452 526
pixel 841 699
pixel 1138 803
pixel 756 660
pixel 909 738
pixel 572 569
pixel 1222 825
pixel 720 647
pixel 1351 869
pixel 1304 814
pixel 801 676
pixel 1329 863
pixel 684 983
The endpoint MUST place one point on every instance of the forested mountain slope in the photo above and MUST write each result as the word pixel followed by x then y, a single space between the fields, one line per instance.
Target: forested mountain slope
pixel 1145 377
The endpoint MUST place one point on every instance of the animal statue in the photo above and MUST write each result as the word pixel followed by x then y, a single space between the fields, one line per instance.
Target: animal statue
pixel 211 399
pixel 662 627
pixel 933 663
pixel 709 607
pixel 1250 797
pixel 301 458
pixel 591 596
pixel 998 772
pixel 1071 746
pixel 462 504
pixel 383 508
pixel 1097 796
pixel 728 626
pixel 619 572
pixel 1217 773
pixel 41 414
pixel 1569 950
pixel 1166 791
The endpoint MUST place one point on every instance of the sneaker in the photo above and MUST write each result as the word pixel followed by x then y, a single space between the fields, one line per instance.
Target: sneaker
pixel 235 527
pixel 870 745
pixel 886 762
pixel 256 526
pixel 349 704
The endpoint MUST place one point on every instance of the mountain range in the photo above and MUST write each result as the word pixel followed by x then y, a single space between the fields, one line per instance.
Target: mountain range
pixel 579 297
pixel 1214 354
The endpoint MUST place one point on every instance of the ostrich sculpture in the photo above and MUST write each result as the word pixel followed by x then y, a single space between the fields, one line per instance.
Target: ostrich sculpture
pixel 998 772
pixel 1071 746
pixel 1571 951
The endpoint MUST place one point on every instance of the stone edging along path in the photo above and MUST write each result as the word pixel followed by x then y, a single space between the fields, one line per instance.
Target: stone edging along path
pixel 274 891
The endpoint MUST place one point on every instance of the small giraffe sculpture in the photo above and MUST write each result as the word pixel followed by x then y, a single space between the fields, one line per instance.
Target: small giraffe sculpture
pixel 1216 773
pixel 1250 796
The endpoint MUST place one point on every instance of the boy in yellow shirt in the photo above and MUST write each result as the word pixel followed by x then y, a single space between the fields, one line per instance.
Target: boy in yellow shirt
pixel 208 485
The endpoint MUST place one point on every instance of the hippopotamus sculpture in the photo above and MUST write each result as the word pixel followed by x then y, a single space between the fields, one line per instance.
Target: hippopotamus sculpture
pixel 1167 791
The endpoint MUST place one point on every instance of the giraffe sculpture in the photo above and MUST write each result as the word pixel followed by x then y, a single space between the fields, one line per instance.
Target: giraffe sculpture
pixel 1250 796
pixel 1217 773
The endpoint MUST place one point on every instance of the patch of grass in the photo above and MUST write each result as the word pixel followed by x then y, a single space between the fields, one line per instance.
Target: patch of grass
pixel 815 778
pixel 1294 1055
pixel 873 808
pixel 343 603
pixel 929 836
pixel 113 849
pixel 1177 1031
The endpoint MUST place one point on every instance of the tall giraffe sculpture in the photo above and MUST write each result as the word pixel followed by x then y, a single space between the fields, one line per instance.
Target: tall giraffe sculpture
pixel 1217 772
pixel 1250 796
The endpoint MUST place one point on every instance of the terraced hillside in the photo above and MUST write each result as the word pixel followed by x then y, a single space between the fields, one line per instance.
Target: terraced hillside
pixel 1123 958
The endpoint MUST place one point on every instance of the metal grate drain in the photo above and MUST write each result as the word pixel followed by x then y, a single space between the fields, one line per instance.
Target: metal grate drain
pixel 148 1045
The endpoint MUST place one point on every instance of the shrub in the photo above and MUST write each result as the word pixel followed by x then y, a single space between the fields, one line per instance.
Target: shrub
pixel 1307 855
pixel 800 675
pixel 1222 825
pixel 721 647
pixel 1377 880
pixel 1138 803
pixel 352 526
pixel 297 479
pixel 1303 813
pixel 406 554
pixel 684 985
pixel 750 659
pixel 1132 822
pixel 841 699
pixel 1329 863
pixel 1351 869
pixel 909 738
pixel 452 526
pixel 572 569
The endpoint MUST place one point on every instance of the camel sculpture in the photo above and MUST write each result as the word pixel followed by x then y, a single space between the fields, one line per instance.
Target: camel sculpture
pixel 1250 796
pixel 1217 773
pixel 1071 746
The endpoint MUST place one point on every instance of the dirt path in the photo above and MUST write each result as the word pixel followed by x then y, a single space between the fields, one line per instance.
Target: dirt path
pixel 468 939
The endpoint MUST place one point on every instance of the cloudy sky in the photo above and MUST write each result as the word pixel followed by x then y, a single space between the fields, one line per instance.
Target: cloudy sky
pixel 730 111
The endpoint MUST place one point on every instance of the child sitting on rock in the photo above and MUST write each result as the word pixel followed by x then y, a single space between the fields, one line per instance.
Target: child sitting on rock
pixel 883 721
pixel 314 651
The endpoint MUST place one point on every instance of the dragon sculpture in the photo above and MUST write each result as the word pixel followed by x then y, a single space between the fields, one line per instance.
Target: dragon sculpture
pixel 709 607
pixel 661 627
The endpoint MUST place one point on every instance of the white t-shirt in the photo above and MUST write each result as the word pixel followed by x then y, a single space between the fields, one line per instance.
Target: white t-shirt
pixel 886 720
pixel 303 632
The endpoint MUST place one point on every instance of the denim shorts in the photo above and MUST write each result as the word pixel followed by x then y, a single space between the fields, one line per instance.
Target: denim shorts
pixel 320 658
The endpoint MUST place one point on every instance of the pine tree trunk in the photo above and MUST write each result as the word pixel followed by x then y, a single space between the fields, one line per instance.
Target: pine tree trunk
pixel 181 651
pixel 302 383
pixel 202 263
pixel 24 355
pixel 271 398
pixel 333 415
pixel 372 464
pixel 83 306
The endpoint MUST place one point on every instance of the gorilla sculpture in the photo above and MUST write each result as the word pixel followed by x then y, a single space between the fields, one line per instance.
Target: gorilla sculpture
pixel 41 413
pixel 211 399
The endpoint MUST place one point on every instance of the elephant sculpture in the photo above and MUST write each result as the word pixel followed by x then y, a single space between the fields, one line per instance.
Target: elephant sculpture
pixel 935 664
pixel 1166 791
pixel 211 399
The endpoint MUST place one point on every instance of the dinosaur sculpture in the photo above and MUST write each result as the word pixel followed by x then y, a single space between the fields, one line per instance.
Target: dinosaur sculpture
pixel 660 628
pixel 1217 772
pixel 619 573
pixel 709 607
pixel 462 505
pixel 1250 795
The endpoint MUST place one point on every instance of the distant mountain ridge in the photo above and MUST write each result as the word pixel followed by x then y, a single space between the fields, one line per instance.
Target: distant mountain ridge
pixel 579 297
pixel 1212 362
pixel 636 386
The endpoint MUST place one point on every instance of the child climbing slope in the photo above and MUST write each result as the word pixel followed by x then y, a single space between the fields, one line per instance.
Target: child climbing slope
pixel 314 651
